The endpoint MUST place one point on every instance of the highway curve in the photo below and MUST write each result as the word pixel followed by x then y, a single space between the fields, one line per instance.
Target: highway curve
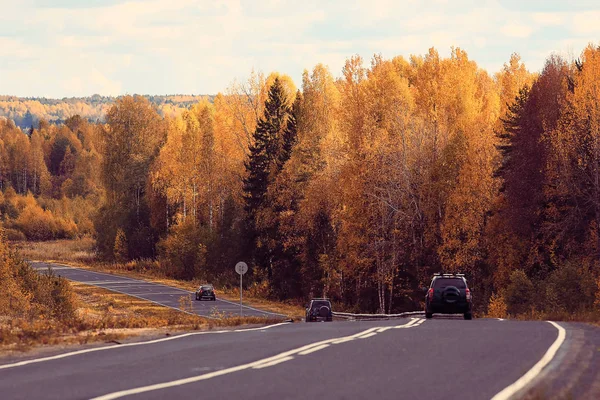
pixel 161 294
pixel 395 359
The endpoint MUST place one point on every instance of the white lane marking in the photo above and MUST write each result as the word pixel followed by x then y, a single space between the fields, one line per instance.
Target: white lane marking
pixel 264 363
pixel 344 340
pixel 523 381
pixel 138 281
pixel 317 348
pixel 120 346
pixel 274 362
pixel 412 323
pixel 366 332
pixel 500 319
pixel 368 335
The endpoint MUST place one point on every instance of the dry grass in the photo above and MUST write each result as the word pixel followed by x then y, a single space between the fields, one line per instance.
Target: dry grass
pixel 591 317
pixel 76 250
pixel 102 315
pixel 80 253
pixel 105 316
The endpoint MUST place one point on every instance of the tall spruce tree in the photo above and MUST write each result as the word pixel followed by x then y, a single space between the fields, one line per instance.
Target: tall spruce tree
pixel 262 168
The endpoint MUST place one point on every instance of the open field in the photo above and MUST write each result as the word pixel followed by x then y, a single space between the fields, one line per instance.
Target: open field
pixel 80 253
pixel 105 316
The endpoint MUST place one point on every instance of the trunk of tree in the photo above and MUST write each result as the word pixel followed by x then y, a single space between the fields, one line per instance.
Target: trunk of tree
pixel 391 296
pixel 194 195
pixel 167 215
pixel 138 195
pixel 597 192
pixel 381 293
pixel 210 215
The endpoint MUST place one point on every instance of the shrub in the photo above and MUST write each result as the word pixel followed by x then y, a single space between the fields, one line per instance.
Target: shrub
pixel 497 307
pixel 30 295
pixel 120 249
pixel 39 224
pixel 571 288
pixel 182 252
pixel 519 293
pixel 15 235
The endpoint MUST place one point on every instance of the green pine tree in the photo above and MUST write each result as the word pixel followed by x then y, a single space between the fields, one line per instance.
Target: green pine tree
pixel 263 165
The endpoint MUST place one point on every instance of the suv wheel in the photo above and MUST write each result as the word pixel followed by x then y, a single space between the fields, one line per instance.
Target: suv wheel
pixel 468 316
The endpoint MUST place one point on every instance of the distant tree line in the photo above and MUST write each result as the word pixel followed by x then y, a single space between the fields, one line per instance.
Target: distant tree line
pixel 28 112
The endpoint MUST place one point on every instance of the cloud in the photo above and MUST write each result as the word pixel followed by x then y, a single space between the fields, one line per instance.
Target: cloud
pixel 548 19
pixel 72 47
pixel 517 30
pixel 586 23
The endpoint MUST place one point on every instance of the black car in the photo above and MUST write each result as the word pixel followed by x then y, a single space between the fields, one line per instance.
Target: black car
pixel 448 294
pixel 206 292
pixel 319 310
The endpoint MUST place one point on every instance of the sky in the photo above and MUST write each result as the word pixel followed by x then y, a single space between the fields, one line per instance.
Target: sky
pixel 66 48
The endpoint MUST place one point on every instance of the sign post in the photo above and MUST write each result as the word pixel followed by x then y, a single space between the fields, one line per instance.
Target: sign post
pixel 241 268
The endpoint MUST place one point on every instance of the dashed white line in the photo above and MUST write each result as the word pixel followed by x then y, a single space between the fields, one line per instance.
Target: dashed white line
pixel 316 348
pixel 274 362
pixel 344 340
pixel 263 363
pixel 368 335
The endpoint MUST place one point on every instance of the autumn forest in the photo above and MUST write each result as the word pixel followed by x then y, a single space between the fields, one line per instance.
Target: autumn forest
pixel 357 187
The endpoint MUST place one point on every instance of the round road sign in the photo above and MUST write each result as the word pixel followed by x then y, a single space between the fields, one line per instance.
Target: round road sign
pixel 241 268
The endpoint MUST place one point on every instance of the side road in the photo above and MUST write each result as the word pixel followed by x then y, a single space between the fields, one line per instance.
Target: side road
pixel 167 296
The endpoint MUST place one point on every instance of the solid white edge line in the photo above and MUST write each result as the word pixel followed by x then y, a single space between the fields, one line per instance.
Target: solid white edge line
pixel 265 362
pixel 523 381
pixel 119 346
pixel 147 282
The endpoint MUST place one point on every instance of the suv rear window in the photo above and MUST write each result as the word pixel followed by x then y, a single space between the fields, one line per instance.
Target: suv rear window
pixel 441 283
pixel 319 303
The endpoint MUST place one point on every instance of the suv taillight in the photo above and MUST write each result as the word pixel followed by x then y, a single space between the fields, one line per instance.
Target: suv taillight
pixel 430 294
pixel 468 293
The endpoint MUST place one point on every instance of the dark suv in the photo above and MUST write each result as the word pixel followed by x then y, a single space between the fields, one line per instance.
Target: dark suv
pixel 448 294
pixel 319 309
pixel 206 292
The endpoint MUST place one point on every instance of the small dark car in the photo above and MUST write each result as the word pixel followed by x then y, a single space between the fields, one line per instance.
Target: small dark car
pixel 448 294
pixel 319 310
pixel 206 292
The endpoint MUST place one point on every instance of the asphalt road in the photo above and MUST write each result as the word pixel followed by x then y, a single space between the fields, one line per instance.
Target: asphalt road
pixel 396 359
pixel 161 294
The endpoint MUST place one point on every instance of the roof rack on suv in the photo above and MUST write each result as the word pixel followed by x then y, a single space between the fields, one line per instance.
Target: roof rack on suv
pixel 447 274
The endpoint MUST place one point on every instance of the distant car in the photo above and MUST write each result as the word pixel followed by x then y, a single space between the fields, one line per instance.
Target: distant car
pixel 206 292
pixel 448 294
pixel 319 310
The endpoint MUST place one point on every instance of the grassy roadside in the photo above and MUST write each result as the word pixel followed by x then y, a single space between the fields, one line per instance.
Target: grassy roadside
pixel 80 253
pixel 590 317
pixel 105 316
